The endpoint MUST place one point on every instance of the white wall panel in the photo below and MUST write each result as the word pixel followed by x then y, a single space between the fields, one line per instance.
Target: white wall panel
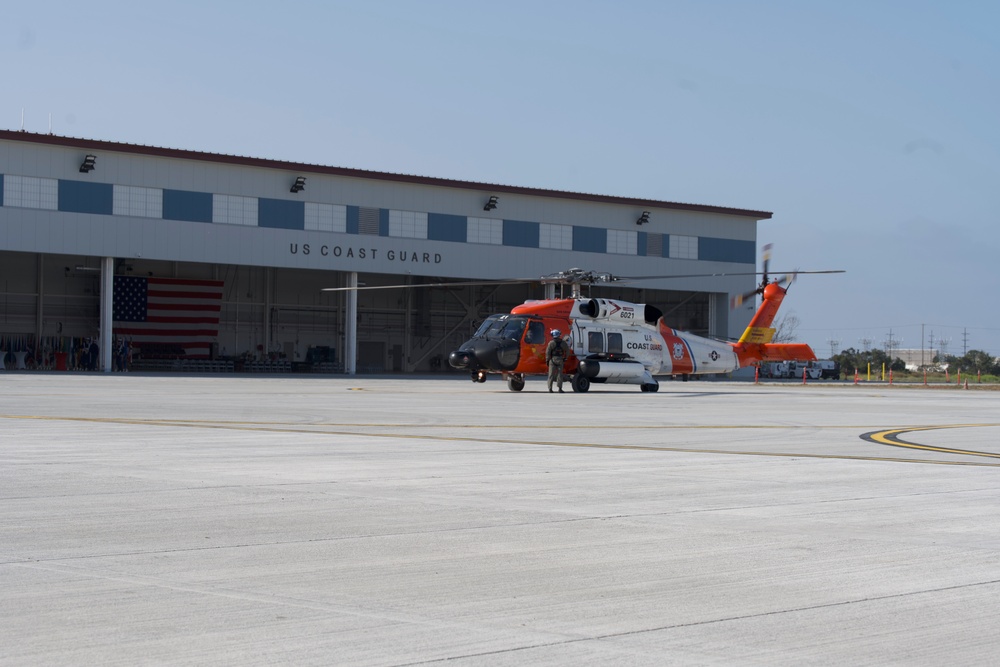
pixel 138 202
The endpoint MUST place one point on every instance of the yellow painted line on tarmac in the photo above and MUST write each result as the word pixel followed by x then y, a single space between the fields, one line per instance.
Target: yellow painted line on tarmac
pixel 278 427
pixel 891 437
pixel 428 425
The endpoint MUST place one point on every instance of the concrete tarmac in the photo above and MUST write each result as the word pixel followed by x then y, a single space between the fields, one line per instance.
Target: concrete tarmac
pixel 383 521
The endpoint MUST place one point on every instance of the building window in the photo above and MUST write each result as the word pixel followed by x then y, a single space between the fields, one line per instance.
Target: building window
pixel 654 245
pixel 683 247
pixel 408 224
pixel 622 243
pixel 137 202
pixel 326 217
pixel 369 221
pixel 31 192
pixel 234 210
pixel 556 237
pixel 485 230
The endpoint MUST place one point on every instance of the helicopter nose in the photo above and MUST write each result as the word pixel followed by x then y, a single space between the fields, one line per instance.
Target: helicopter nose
pixel 460 359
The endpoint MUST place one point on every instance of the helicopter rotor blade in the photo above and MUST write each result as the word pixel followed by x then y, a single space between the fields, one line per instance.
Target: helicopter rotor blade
pixel 713 275
pixel 464 283
pixel 739 299
pixel 766 258
pixel 570 277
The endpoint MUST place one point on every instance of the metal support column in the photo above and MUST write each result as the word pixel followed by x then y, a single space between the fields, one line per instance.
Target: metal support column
pixel 268 276
pixel 718 316
pixel 107 321
pixel 39 308
pixel 351 326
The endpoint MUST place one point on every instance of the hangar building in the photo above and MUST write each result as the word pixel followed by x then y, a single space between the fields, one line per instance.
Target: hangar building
pixel 92 231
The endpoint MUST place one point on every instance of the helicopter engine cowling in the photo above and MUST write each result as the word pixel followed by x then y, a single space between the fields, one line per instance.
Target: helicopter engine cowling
pixel 612 310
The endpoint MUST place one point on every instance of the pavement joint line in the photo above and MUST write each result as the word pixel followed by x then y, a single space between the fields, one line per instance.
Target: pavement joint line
pixel 251 427
pixel 710 621
pixel 195 422
pixel 355 608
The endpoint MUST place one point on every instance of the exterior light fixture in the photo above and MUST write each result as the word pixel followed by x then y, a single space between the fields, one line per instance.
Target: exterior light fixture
pixel 89 163
pixel 299 185
pixel 491 204
pixel 643 219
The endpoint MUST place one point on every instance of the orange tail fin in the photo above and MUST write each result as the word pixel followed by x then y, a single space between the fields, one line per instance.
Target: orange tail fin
pixel 755 344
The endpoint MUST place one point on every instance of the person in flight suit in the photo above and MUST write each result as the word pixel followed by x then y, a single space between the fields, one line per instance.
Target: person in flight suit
pixel 555 357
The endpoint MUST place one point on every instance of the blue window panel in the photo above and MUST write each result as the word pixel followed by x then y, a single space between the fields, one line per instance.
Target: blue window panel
pixel 640 245
pixel 185 205
pixel 590 239
pixel 383 222
pixel 520 233
pixel 726 250
pixel 441 227
pixel 352 219
pixel 281 214
pixel 81 197
pixel 1 189
pixel 665 249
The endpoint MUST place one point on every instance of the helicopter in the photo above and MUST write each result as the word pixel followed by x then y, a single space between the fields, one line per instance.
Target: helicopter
pixel 617 342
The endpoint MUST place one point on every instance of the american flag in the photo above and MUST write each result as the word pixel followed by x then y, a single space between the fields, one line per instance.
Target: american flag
pixel 171 317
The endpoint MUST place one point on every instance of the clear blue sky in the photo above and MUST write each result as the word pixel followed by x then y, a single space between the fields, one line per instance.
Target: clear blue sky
pixel 870 129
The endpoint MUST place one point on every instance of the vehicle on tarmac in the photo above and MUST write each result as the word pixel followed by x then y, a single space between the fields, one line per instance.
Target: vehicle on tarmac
pixel 792 369
pixel 829 369
pixel 817 369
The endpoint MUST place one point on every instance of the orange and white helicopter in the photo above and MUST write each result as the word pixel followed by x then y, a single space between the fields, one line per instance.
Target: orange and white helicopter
pixel 618 342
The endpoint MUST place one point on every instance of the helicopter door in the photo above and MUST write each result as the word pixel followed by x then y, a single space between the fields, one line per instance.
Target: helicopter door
pixel 615 343
pixel 536 333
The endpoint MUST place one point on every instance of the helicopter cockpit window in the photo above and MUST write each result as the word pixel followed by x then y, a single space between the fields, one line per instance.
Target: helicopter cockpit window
pixel 488 324
pixel 502 326
pixel 514 328
pixel 595 342
pixel 614 343
pixel 536 333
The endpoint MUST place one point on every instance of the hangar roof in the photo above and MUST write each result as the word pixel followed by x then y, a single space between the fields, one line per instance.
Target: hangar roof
pixel 97 145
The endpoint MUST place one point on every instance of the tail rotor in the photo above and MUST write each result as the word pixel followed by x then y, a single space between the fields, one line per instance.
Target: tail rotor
pixel 785 280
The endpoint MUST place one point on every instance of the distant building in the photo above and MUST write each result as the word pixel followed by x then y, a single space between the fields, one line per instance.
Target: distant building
pixel 915 359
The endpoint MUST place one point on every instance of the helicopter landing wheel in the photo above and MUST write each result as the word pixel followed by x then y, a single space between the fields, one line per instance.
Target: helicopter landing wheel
pixel 649 387
pixel 515 382
pixel 581 383
pixel 479 376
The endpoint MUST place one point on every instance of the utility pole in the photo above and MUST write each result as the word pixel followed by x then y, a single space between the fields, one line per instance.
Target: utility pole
pixel 866 345
pixel 833 346
pixel 890 344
